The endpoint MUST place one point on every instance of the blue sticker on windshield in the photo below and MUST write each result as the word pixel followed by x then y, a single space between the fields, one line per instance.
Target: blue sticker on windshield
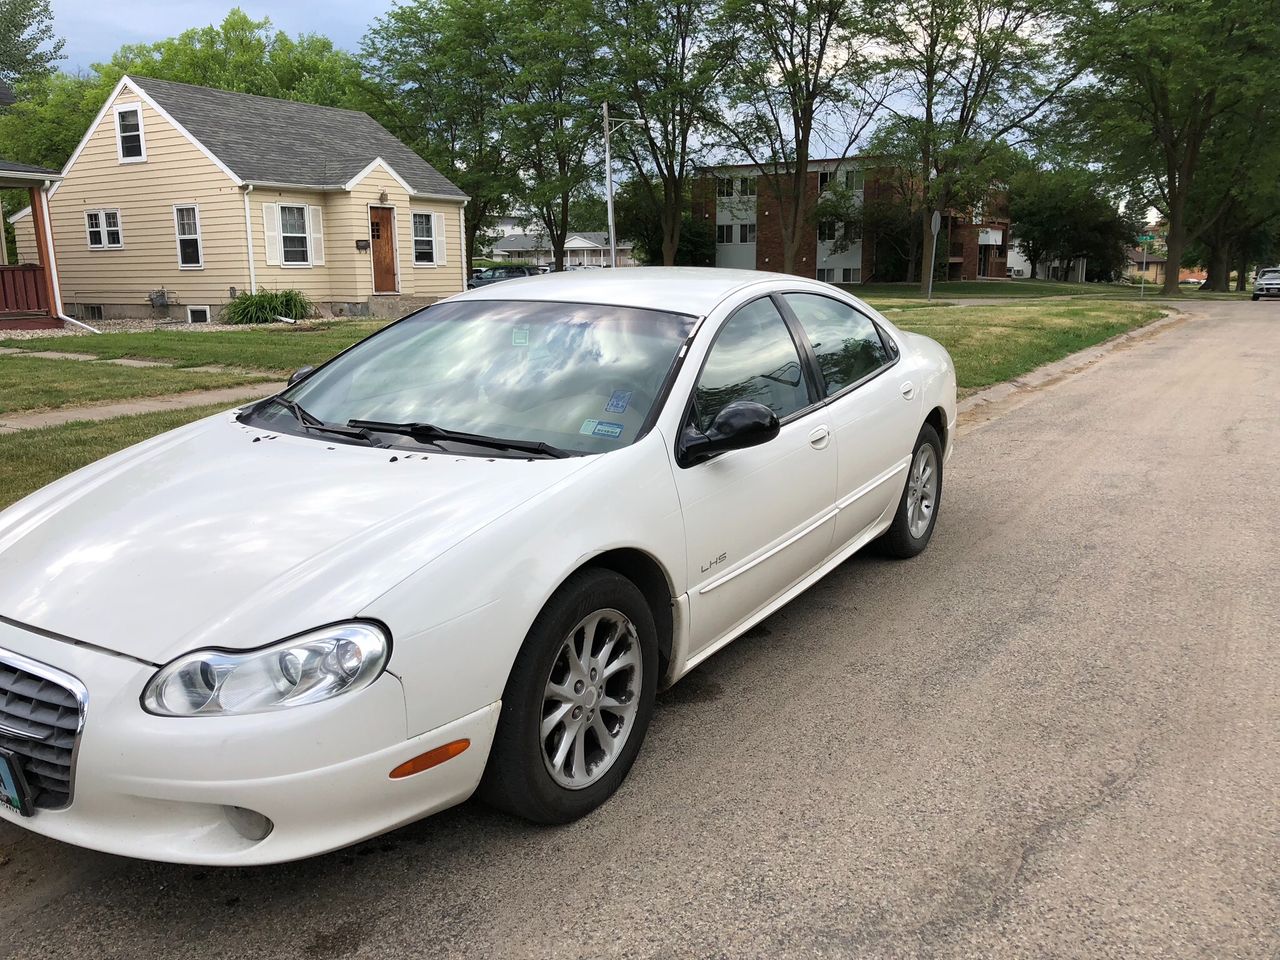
pixel 606 429
pixel 619 402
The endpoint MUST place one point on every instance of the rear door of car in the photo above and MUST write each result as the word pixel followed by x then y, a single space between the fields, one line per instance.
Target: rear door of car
pixel 873 407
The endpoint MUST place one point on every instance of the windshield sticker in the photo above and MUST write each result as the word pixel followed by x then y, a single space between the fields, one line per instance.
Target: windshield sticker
pixel 602 428
pixel 619 402
pixel 520 336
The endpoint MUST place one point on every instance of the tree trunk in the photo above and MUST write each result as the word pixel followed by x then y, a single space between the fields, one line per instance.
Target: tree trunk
pixel 1219 267
pixel 1242 270
pixel 672 213
pixel 1176 242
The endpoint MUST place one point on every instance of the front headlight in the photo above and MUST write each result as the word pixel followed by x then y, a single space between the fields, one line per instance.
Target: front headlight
pixel 307 669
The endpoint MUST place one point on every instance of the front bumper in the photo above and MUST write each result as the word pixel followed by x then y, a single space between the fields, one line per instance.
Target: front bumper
pixel 161 788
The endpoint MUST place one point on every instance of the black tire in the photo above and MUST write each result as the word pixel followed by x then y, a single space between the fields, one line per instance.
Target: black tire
pixel 1255 298
pixel 516 779
pixel 898 541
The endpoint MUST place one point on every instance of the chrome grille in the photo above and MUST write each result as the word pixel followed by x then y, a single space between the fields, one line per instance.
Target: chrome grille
pixel 41 714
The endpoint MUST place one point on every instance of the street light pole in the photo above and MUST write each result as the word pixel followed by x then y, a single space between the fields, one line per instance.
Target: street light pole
pixel 608 182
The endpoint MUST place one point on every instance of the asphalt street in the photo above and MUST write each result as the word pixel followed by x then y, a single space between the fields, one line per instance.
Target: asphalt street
pixel 1054 734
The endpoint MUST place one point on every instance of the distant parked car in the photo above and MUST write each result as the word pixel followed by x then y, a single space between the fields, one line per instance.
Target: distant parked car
pixel 1267 284
pixel 498 274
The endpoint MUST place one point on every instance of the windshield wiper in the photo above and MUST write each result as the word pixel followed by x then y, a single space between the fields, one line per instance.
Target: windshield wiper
pixel 309 421
pixel 428 432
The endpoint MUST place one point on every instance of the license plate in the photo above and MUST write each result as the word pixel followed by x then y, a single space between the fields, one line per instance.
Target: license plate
pixel 14 794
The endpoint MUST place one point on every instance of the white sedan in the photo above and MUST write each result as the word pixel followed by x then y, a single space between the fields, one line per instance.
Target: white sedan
pixel 458 558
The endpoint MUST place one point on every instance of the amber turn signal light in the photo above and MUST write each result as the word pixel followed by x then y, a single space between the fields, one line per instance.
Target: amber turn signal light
pixel 432 758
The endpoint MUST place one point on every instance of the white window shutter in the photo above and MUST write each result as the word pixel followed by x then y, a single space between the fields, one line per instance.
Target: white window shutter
pixel 437 237
pixel 271 227
pixel 315 234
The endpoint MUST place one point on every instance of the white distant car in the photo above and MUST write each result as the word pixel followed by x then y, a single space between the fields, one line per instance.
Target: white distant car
pixel 462 555
pixel 1267 283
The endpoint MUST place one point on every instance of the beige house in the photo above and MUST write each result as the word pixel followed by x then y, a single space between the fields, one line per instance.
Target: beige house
pixel 178 197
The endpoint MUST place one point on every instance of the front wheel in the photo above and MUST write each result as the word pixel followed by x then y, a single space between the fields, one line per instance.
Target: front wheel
pixel 1255 298
pixel 578 702
pixel 917 512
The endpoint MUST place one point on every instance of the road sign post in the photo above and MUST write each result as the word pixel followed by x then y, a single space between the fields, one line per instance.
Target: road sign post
pixel 935 224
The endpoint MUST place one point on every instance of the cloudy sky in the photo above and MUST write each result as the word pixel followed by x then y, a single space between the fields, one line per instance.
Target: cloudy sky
pixel 95 28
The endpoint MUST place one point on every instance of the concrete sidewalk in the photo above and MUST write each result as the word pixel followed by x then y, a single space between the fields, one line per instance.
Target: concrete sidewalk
pixel 123 408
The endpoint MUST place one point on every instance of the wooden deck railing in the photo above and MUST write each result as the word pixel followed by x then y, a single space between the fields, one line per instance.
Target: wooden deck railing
pixel 23 290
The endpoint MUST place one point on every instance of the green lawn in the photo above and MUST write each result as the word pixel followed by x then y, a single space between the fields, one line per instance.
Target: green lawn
pixel 32 458
pixel 874 293
pixel 278 348
pixel 30 383
pixel 994 343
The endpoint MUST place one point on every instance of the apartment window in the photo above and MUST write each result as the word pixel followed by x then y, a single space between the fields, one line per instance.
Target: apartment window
pixel 827 274
pixel 186 221
pixel 293 234
pixel 854 179
pixel 103 227
pixel 724 233
pixel 724 187
pixel 129 143
pixel 827 231
pixel 746 233
pixel 423 239
pixel 747 187
pixel 824 181
pixel 851 275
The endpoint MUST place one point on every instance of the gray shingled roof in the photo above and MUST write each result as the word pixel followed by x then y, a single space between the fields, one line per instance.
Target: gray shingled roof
pixel 263 140
pixel 513 242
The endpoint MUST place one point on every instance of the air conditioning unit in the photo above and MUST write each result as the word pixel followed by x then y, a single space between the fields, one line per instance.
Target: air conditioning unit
pixel 1018 272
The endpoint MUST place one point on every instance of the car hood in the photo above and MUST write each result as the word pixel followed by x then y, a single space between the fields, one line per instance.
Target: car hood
pixel 220 534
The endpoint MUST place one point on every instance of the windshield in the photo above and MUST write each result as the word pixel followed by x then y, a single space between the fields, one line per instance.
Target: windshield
pixel 580 377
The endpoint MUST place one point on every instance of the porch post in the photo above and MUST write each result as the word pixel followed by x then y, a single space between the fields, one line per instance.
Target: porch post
pixel 43 247
pixel 4 246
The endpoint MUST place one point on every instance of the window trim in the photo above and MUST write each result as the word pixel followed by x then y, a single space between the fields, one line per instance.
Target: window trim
pixel 130 107
pixel 894 352
pixel 102 217
pixel 306 234
pixel 178 237
pixel 431 219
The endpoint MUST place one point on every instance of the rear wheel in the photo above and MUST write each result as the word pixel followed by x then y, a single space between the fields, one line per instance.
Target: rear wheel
pixel 917 513
pixel 578 702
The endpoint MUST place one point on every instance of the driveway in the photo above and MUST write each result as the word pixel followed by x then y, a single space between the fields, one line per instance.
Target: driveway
pixel 1056 733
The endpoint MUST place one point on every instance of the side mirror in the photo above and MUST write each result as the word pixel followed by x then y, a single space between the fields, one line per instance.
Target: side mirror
pixel 300 374
pixel 741 424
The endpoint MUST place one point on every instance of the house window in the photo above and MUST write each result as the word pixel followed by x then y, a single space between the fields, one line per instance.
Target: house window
pixel 724 233
pixel 851 275
pixel 103 227
pixel 423 243
pixel 827 274
pixel 824 181
pixel 186 221
pixel 724 187
pixel 197 314
pixel 747 187
pixel 129 144
pixel 827 231
pixel 747 233
pixel 854 179
pixel 293 235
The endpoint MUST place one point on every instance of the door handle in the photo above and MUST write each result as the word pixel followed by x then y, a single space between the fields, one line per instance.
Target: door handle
pixel 908 390
pixel 819 437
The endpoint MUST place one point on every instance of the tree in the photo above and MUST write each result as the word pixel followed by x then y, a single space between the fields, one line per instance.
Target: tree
pixel 664 67
pixel 1166 79
pixel 552 120
pixel 28 47
pixel 450 108
pixel 975 75
pixel 799 77
pixel 639 221
pixel 1062 213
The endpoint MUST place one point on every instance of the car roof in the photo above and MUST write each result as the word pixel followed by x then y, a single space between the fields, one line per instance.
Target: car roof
pixel 689 290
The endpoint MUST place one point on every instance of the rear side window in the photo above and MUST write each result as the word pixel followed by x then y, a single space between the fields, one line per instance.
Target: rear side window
pixel 846 342
pixel 753 358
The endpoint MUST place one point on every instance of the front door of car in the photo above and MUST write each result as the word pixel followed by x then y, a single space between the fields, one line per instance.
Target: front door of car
pixel 756 519
pixel 874 408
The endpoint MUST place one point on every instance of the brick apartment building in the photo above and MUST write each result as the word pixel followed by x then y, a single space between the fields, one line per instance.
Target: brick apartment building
pixel 974 244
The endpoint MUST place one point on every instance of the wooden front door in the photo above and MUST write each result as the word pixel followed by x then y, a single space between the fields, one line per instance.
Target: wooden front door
pixel 382 242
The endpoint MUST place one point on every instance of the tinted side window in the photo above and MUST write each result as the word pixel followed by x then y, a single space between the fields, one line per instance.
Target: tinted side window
pixel 754 358
pixel 847 343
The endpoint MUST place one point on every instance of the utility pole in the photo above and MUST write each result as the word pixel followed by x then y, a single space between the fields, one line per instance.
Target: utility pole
pixel 608 182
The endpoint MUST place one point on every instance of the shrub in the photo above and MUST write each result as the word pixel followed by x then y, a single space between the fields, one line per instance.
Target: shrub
pixel 266 305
